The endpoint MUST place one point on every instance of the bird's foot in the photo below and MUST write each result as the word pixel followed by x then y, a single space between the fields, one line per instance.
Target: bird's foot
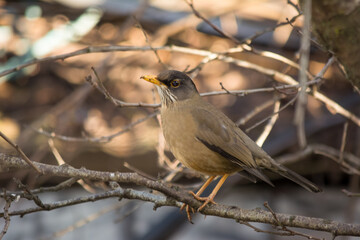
pixel 206 200
pixel 189 210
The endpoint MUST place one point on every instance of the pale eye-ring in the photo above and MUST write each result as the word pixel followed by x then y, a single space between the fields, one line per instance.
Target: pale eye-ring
pixel 175 83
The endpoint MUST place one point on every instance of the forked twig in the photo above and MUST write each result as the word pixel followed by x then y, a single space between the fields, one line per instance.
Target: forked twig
pixel 22 154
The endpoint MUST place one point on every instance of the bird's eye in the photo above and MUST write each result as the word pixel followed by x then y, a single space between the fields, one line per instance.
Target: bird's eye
pixel 175 83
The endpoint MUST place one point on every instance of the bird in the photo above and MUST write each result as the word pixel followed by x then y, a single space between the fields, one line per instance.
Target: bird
pixel 204 139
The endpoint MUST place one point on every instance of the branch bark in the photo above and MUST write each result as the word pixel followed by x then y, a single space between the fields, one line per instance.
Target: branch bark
pixel 174 197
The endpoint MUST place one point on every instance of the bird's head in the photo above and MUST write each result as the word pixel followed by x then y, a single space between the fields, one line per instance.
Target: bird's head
pixel 173 86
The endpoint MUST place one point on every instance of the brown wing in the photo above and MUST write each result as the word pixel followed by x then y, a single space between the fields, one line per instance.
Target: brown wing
pixel 218 133
pixel 221 135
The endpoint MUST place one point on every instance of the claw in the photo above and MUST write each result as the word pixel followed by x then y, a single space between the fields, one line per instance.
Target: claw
pixel 207 201
pixel 183 206
pixel 188 213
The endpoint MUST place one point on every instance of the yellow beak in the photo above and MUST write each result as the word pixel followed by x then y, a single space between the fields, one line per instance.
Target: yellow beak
pixel 153 79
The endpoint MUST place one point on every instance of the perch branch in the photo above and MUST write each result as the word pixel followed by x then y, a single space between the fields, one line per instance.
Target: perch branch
pixel 174 197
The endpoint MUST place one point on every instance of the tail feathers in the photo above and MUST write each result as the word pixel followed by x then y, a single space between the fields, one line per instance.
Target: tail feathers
pixel 293 176
pixel 257 173
pixel 248 176
pixel 289 174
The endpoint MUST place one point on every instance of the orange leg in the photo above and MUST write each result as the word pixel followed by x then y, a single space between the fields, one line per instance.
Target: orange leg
pixel 197 196
pixel 210 198
pixel 204 186
pixel 200 191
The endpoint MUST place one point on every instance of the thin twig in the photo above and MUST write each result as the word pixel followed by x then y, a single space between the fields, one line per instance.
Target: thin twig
pixel 138 171
pixel 284 228
pixel 250 39
pixel 245 44
pixel 267 129
pixel 318 45
pixel 218 30
pixel 129 212
pixel 18 149
pixel 259 90
pixel 106 139
pixel 351 165
pixel 6 215
pixel 30 195
pixel 320 75
pixel 297 8
pixel 343 142
pixel 102 139
pixel 80 223
pixel 350 194
pixel 270 72
pixel 55 152
pixel 274 113
pixel 118 103
pixel 227 91
pixel 256 229
pixel 149 43
pixel 254 112
pixel 270 55
pixel 61 186
pixel 61 161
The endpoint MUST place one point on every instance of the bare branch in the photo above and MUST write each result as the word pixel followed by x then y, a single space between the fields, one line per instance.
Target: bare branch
pixel 61 186
pixel 254 112
pixel 102 139
pixel 250 39
pixel 332 105
pixel 334 154
pixel 350 194
pixel 286 229
pixel 350 162
pixel 343 142
pixel 299 118
pixel 267 129
pixel 106 139
pixel 30 195
pixel 258 90
pixel 174 197
pixel 118 103
pixel 149 43
pixel 218 30
pixel 6 215
pixel 88 219
pixel 274 113
pixel 61 161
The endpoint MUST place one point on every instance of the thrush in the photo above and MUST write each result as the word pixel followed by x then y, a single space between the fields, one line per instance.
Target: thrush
pixel 204 139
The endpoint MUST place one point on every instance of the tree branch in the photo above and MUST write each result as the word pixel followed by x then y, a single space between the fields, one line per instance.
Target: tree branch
pixel 173 197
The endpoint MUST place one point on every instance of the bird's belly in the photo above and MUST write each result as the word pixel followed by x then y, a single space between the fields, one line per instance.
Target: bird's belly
pixel 195 155
pixel 180 134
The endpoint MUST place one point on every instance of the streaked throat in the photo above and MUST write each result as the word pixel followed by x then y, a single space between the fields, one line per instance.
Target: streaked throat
pixel 166 96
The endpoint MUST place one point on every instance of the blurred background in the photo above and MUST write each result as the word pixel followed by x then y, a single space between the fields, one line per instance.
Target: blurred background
pixel 54 97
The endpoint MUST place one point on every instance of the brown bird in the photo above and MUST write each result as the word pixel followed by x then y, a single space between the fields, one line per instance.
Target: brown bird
pixel 207 141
